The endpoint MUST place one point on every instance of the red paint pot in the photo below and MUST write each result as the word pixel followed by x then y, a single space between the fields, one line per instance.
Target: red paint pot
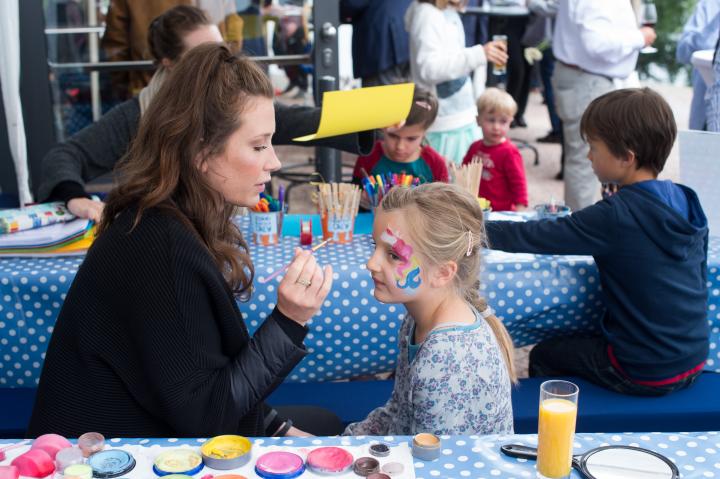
pixel 9 472
pixel 34 463
pixel 51 443
pixel 329 460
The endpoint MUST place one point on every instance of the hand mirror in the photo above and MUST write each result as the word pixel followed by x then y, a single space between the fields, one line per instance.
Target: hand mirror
pixel 610 462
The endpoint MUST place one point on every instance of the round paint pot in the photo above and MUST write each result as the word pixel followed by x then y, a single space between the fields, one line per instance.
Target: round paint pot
pixel 426 446
pixel 34 463
pixel 178 461
pixel 329 460
pixel 366 466
pixel 111 463
pixel 393 468
pixel 230 476
pixel 50 443
pixel 67 457
pixel 279 465
pixel 226 452
pixel 379 450
pixel 78 471
pixel 9 472
pixel 378 475
pixel 91 442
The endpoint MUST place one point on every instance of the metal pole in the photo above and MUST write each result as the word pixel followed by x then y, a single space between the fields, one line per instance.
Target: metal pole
pixel 94 57
pixel 326 15
pixel 327 160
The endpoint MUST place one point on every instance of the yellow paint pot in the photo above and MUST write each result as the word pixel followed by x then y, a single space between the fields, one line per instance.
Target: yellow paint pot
pixel 226 452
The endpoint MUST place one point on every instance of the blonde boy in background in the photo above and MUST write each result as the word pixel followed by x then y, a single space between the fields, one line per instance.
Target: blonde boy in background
pixel 503 179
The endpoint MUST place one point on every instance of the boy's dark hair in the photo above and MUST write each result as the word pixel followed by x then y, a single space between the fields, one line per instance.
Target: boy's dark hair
pixel 424 109
pixel 632 119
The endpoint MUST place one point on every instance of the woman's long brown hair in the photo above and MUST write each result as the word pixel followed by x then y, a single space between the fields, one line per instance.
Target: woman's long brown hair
pixel 197 109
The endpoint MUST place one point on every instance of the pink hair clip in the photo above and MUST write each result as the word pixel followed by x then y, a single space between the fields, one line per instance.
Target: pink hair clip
pixel 423 104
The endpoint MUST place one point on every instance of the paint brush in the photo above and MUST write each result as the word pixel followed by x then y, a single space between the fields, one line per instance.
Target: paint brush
pixel 284 268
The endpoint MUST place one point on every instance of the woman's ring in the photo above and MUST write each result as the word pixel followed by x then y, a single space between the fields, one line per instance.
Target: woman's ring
pixel 304 282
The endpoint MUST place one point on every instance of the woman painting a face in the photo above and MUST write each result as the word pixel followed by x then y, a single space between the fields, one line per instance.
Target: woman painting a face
pixel 150 341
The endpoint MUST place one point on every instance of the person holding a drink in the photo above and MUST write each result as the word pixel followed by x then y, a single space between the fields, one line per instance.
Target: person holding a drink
pixel 440 63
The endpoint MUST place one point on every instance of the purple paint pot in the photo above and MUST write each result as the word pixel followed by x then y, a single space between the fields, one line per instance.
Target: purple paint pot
pixel 279 465
pixel 329 460
pixel 366 466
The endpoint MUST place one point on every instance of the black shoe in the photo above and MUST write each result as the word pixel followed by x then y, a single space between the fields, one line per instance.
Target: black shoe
pixel 518 122
pixel 551 137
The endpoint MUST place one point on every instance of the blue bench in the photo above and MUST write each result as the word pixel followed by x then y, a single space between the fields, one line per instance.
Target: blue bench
pixel 600 410
pixel 694 409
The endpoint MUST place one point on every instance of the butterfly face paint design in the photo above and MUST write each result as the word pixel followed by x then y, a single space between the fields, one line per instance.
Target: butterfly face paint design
pixel 407 272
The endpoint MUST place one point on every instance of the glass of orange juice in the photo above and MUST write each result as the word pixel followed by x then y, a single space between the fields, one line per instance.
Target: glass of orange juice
pixel 556 428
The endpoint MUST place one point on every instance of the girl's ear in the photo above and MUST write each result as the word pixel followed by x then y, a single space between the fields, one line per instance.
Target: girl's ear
pixel 443 274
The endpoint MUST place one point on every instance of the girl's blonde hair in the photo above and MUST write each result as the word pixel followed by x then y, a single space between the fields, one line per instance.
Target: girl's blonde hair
pixel 446 224
pixel 496 100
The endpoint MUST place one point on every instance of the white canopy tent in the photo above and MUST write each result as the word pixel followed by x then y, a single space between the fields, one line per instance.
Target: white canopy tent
pixel 10 82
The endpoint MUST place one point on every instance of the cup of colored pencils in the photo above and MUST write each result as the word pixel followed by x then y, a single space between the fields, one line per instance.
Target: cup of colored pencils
pixel 375 187
pixel 338 204
pixel 266 219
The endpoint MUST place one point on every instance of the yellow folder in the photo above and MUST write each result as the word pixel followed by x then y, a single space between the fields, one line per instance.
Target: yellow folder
pixel 350 111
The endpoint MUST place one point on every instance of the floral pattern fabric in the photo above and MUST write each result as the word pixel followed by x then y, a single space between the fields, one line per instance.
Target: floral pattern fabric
pixel 456 384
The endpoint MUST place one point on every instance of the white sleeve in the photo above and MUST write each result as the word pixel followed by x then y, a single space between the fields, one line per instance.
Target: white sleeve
pixel 600 33
pixel 435 64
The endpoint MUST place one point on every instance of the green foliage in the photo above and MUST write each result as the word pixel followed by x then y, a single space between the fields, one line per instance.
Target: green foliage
pixel 672 15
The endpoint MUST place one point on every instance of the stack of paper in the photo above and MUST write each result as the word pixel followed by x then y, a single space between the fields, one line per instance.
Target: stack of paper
pixel 70 238
pixel 31 217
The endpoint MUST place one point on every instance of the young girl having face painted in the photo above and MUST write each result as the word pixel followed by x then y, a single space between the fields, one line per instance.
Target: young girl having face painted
pixel 454 368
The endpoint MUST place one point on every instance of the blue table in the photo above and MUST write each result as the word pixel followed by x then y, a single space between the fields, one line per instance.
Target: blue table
pixel 697 455
pixel 537 297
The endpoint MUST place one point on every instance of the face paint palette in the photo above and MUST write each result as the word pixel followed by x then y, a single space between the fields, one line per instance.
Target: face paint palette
pixel 178 461
pixel 226 452
pixel 279 465
pixel 111 463
pixel 329 460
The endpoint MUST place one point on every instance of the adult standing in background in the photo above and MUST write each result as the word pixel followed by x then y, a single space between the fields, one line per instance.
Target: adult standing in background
pixel 518 68
pixel 700 33
pixel 594 43
pixel 380 45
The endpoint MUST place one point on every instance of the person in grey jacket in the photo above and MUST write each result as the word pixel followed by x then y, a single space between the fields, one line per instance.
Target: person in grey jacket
pixel 95 150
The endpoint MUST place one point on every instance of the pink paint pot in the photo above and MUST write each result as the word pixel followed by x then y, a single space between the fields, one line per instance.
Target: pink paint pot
pixel 51 443
pixel 279 465
pixel 9 472
pixel 329 460
pixel 34 463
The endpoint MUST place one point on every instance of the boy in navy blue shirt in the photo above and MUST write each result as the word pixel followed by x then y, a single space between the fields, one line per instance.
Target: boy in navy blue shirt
pixel 649 241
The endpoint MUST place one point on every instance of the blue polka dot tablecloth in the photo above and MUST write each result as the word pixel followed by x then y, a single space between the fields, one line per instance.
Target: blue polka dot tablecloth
pixel 696 455
pixel 536 296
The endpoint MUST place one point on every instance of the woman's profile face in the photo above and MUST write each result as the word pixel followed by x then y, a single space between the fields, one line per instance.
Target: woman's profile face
pixel 241 171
